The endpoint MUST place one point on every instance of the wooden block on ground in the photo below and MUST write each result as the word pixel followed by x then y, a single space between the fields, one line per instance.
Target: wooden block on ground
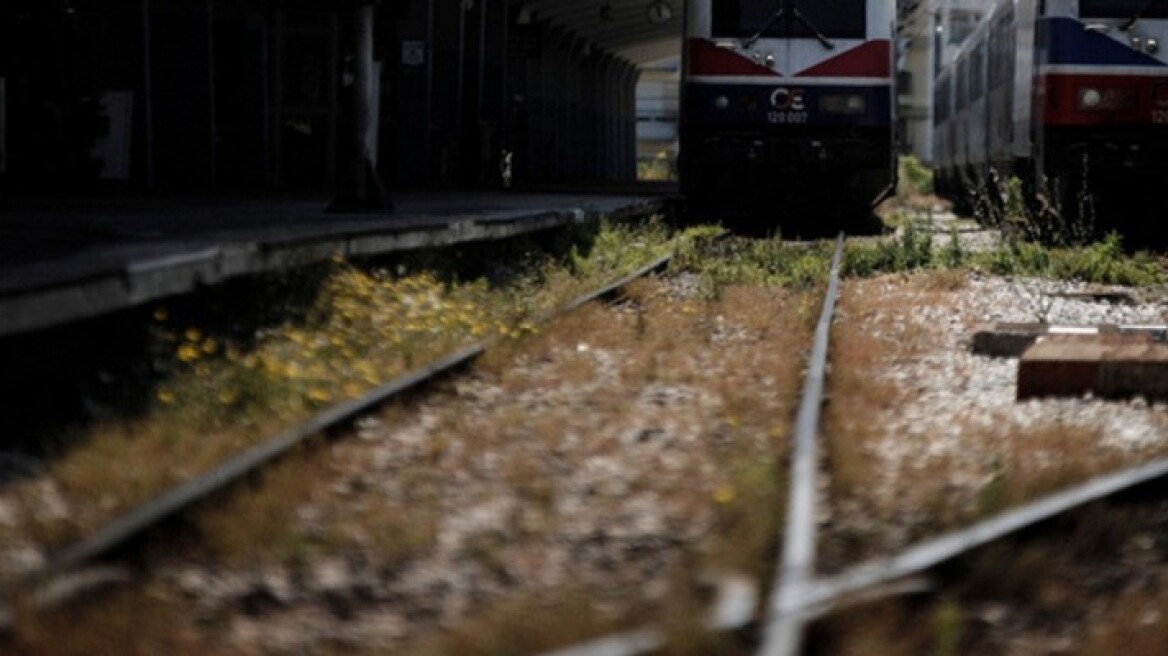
pixel 1108 365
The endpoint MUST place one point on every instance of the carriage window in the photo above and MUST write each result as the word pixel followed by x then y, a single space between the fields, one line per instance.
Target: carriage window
pixel 1123 8
pixel 835 19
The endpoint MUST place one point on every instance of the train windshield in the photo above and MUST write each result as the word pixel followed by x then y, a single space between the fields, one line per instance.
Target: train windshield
pixel 1126 9
pixel 804 19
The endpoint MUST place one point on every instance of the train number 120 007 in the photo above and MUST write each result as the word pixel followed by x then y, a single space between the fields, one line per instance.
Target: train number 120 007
pixel 787 117
pixel 1160 115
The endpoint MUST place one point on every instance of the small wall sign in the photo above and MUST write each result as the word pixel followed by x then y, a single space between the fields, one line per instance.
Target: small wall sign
pixel 413 53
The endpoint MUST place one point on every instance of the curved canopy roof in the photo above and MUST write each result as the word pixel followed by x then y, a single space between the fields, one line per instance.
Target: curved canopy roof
pixel 640 31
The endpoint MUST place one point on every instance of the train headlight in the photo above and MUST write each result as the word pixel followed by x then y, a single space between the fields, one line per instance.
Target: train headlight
pixel 1107 99
pixel 721 102
pixel 843 103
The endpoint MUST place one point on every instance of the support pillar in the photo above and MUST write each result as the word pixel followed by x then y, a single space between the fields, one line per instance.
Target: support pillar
pixel 628 170
pixel 364 191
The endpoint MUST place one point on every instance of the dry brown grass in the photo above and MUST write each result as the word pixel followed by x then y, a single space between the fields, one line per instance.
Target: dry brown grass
pixel 870 336
pixel 730 370
pixel 257 522
pixel 133 450
pixel 887 628
pixel 132 622
pixel 1136 624
pixel 857 395
pixel 1042 461
pixel 524 625
pixel 665 341
pixel 217 392
pixel 1013 466
pixel 1091 583
pixel 942 280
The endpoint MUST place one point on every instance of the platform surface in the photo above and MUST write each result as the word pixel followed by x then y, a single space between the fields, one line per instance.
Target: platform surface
pixel 64 259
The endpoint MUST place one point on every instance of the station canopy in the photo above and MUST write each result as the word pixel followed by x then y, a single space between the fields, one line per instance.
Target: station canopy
pixel 640 31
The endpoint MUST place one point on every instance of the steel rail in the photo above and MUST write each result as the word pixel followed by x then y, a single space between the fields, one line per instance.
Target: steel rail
pixel 826 592
pixel 785 619
pixel 734 611
pixel 136 521
pixel 816 597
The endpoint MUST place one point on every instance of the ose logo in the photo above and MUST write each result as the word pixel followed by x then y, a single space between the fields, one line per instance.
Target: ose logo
pixel 784 99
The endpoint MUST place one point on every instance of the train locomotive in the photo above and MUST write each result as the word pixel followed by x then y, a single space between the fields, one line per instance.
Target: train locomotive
pixel 788 109
pixel 1070 98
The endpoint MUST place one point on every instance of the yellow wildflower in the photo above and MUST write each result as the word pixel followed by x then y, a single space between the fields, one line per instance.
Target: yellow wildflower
pixel 160 314
pixel 193 334
pixel 166 396
pixel 724 494
pixel 319 395
pixel 228 396
pixel 210 346
pixel 188 353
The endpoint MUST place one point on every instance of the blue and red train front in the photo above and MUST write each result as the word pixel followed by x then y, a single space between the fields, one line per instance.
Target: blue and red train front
pixel 1102 83
pixel 788 105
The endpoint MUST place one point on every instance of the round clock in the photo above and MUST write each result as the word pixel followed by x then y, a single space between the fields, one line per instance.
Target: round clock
pixel 660 12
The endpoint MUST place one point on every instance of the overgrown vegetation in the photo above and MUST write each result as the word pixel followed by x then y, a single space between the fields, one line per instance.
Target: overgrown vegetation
pixel 1034 590
pixel 717 459
pixel 221 389
pixel 1025 462
pixel 737 261
pixel 915 178
pixel 366 325
pixel 215 389
pixel 721 262
pixel 1104 262
pixel 1039 238
pixel 661 168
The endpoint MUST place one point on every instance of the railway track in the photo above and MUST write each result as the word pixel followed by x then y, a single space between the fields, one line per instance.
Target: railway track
pixel 800 598
pixel 514 501
pixel 137 522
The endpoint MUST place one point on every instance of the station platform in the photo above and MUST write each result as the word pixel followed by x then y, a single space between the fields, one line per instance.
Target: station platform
pixel 67 259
